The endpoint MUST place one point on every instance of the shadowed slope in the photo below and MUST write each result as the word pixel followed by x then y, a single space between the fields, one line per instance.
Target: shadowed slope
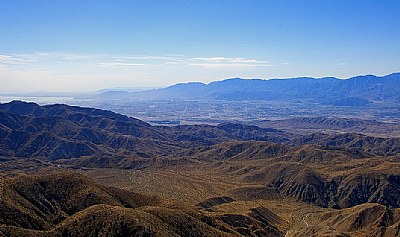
pixel 362 220
pixel 308 173
pixel 308 125
pixel 352 141
pixel 38 202
pixel 70 204
pixel 63 132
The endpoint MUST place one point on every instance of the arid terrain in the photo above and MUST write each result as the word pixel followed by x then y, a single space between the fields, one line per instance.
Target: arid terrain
pixel 72 171
pixel 199 118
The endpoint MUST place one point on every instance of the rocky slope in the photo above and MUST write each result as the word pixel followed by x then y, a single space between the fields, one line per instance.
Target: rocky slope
pixel 68 204
pixel 356 174
pixel 301 172
pixel 62 132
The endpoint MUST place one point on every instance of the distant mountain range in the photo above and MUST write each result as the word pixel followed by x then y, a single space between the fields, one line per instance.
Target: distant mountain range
pixel 355 91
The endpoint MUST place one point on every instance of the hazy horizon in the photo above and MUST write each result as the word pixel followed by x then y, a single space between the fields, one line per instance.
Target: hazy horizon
pixel 75 46
pixel 64 93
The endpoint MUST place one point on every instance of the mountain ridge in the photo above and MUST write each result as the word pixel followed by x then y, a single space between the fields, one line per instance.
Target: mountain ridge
pixel 61 131
pixel 354 91
pixel 244 180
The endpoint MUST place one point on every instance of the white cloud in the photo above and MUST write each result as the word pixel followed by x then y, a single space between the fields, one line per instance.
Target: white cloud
pixel 224 65
pixel 14 60
pixel 43 57
pixel 130 60
pixel 144 57
pixel 218 62
pixel 228 60
pixel 4 57
pixel 120 64
pixel 58 71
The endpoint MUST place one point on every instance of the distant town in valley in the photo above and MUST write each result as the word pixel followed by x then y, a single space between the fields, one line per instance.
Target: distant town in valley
pixel 200 118
pixel 362 97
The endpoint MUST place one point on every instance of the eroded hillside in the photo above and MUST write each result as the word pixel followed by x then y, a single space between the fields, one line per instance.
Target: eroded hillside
pixel 193 180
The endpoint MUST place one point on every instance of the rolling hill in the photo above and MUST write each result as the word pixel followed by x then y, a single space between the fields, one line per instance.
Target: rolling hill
pixel 62 132
pixel 68 204
pixel 308 125
pixel 192 180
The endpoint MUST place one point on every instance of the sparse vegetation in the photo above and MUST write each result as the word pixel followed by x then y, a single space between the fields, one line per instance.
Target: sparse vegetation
pixel 200 180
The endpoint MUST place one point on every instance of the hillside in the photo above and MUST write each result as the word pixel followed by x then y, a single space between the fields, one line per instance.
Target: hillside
pixel 229 179
pixel 309 173
pixel 69 204
pixel 353 141
pixel 307 125
pixel 62 132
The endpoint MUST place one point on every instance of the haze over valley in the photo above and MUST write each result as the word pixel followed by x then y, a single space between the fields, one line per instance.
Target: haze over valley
pixel 199 118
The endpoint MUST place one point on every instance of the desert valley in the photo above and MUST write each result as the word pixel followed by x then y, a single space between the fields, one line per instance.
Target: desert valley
pixel 181 118
pixel 73 171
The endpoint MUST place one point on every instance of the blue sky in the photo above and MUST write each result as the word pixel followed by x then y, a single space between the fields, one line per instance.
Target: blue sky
pixel 89 45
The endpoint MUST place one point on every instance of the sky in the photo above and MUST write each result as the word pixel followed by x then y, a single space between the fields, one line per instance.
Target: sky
pixel 77 46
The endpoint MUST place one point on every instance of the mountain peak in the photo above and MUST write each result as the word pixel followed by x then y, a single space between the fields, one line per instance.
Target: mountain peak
pixel 186 85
